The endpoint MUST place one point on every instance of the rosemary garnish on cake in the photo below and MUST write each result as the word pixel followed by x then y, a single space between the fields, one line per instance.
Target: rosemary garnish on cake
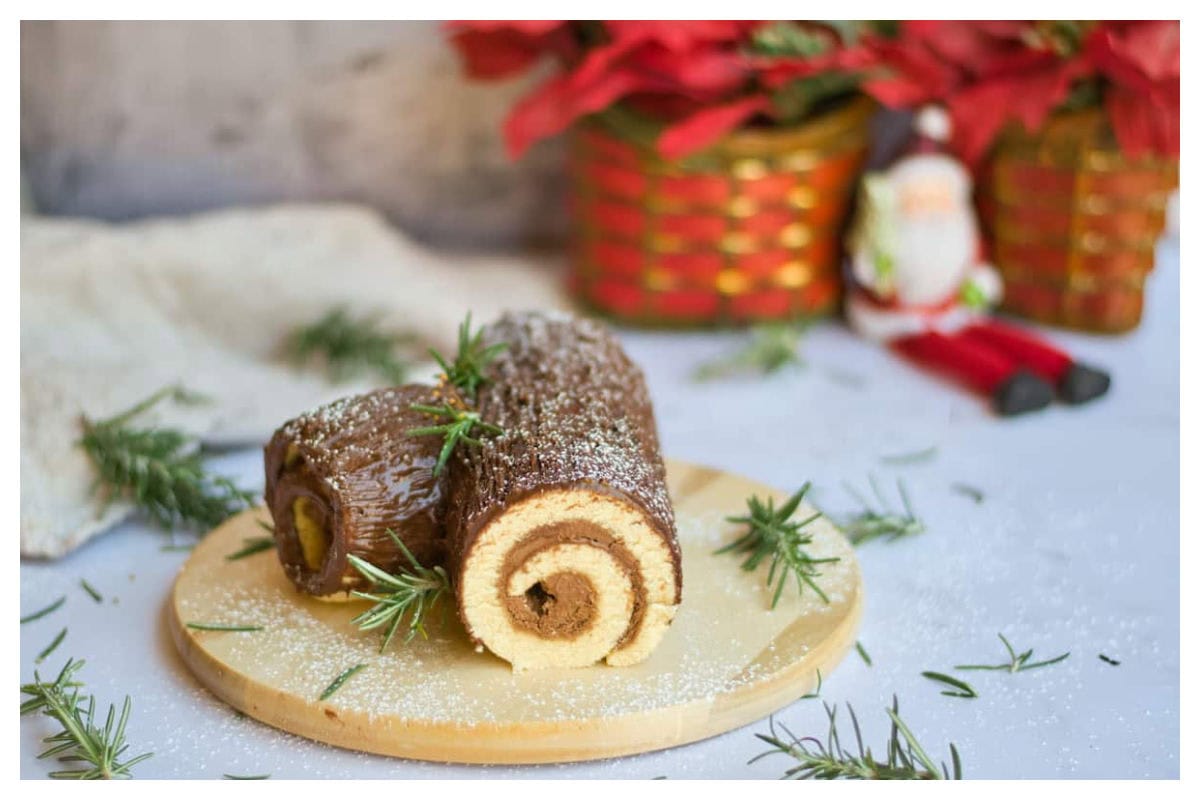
pixel 98 751
pixel 413 591
pixel 772 533
pixel 460 381
pixel 349 347
pixel 905 759
pixel 159 470
pixel 466 373
pixel 459 426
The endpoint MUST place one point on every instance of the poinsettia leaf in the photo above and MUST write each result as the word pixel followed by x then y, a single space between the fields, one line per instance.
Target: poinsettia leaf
pixel 552 107
pixel 707 126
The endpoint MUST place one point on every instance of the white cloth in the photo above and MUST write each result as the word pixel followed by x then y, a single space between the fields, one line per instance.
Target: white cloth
pixel 111 313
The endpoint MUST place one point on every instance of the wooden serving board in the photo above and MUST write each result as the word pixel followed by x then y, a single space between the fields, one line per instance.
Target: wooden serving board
pixel 727 660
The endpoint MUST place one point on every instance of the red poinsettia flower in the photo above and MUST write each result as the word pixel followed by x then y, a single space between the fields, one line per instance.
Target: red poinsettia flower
pixel 1141 62
pixel 700 78
pixel 991 73
pixel 502 48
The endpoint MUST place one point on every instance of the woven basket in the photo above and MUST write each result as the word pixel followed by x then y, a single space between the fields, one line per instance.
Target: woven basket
pixel 748 230
pixel 1073 223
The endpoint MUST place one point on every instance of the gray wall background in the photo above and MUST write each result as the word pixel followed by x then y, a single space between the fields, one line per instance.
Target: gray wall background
pixel 129 119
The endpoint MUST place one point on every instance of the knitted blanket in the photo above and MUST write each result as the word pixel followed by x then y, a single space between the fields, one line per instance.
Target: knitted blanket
pixel 111 313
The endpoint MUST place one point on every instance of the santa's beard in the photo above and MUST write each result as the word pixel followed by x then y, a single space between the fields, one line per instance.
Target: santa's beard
pixel 933 254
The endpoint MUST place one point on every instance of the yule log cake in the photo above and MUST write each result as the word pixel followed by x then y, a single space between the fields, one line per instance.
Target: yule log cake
pixel 550 516
pixel 560 533
pixel 340 477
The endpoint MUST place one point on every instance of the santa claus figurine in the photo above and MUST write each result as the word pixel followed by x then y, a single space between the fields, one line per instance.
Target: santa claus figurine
pixel 921 286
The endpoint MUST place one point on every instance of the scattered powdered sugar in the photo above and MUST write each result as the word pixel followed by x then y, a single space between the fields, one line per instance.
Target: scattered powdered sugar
pixel 724 640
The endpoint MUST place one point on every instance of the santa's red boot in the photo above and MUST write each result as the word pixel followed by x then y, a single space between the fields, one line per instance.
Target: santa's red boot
pixel 1011 388
pixel 1073 381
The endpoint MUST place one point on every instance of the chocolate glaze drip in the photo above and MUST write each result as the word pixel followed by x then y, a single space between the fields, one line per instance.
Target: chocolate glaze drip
pixel 576 415
pixel 351 471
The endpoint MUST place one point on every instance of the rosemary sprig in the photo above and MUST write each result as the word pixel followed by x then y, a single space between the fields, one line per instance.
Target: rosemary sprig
pixel 772 347
pixel 340 680
pixel 772 533
pixel 863 654
pixel 159 469
pixel 50 609
pixel 220 626
pixel 229 777
pixel 882 522
pixel 252 545
pixel 349 347
pixel 42 656
pixel 466 373
pixel 1108 660
pixel 91 590
pixel 957 688
pixel 1018 662
pixel 81 740
pixel 830 760
pixel 459 427
pixel 413 592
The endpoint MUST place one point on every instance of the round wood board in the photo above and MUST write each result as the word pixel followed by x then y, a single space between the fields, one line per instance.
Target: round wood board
pixel 727 660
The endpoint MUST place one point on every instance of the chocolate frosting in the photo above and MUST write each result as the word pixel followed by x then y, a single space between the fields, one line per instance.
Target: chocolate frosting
pixel 355 473
pixel 576 415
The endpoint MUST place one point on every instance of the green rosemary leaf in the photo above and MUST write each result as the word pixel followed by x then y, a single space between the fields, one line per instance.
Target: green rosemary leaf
pixel 349 347
pixel 340 680
pixel 830 759
pixel 42 656
pixel 459 428
pixel 815 693
pixel 220 626
pixel 252 545
pixel 772 347
pixel 412 591
pixel 968 491
pixel 862 652
pixel 50 609
pixel 229 777
pixel 1018 662
pixel 1108 660
pixel 82 739
pixel 957 688
pixel 466 372
pixel 177 548
pixel 91 590
pixel 266 526
pixel 159 470
pixel 773 534
pixel 915 457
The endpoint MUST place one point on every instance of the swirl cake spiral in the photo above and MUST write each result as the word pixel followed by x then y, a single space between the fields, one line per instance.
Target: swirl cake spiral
pixel 560 533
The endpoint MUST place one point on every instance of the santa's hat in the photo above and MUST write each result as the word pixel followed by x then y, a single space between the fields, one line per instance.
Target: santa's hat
pixel 932 128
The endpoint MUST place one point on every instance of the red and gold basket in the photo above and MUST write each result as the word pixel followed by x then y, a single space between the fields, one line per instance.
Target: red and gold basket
pixel 1073 223
pixel 748 230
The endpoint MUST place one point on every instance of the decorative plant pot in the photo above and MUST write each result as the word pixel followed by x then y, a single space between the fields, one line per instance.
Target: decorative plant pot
pixel 1073 223
pixel 748 230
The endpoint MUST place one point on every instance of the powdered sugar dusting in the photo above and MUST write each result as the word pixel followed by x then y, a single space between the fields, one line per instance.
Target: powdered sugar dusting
pixel 724 640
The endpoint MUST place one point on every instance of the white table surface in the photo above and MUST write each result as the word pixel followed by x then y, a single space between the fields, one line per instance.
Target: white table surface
pixel 1076 547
